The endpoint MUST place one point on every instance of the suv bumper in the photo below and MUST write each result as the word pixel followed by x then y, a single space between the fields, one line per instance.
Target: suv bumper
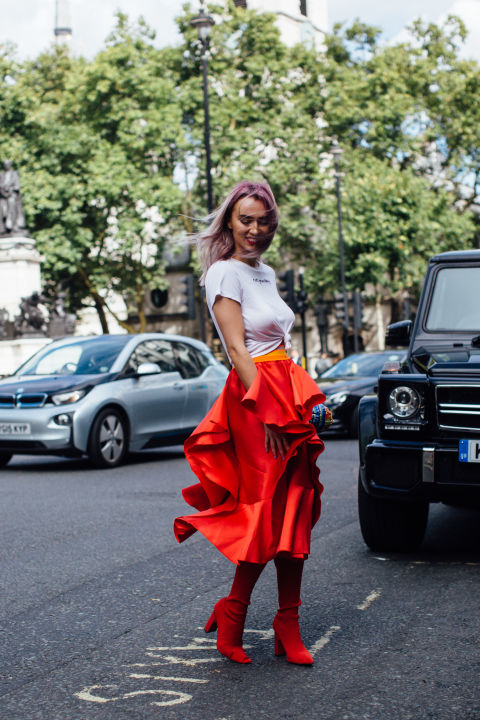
pixel 416 470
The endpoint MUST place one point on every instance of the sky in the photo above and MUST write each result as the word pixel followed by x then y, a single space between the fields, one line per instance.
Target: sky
pixel 29 23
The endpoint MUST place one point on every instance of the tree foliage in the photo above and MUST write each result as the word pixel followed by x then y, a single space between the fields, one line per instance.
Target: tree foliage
pixel 101 145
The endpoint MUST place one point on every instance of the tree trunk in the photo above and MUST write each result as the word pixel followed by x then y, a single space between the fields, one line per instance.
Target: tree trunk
pixel 99 307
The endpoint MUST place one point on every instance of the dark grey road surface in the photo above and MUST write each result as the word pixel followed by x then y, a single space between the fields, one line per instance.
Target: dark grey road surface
pixel 102 612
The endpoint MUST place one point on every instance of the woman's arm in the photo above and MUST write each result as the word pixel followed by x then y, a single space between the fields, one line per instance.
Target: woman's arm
pixel 228 315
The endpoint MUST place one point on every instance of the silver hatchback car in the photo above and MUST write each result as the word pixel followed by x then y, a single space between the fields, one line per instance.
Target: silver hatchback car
pixel 106 395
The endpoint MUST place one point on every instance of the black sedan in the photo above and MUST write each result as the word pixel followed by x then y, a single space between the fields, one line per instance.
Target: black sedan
pixel 348 380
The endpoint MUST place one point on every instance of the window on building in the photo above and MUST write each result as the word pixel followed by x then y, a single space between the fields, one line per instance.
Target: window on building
pixel 240 3
pixel 303 7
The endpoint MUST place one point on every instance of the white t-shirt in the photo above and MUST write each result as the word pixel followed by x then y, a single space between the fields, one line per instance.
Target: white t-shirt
pixel 267 318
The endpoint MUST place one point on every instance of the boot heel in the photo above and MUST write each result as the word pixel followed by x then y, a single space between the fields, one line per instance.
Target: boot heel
pixel 279 649
pixel 211 625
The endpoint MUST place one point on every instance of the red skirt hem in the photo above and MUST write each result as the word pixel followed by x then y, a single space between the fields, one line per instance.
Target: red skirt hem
pixel 251 506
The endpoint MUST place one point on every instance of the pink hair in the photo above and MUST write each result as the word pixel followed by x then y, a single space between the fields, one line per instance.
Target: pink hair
pixel 216 242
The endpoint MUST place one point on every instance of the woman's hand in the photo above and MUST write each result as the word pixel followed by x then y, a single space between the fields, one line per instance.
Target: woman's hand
pixel 276 442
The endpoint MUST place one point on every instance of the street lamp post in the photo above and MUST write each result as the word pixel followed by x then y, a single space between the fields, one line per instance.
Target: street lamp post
pixel 337 153
pixel 203 23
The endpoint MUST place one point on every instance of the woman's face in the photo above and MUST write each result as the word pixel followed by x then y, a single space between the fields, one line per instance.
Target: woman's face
pixel 249 224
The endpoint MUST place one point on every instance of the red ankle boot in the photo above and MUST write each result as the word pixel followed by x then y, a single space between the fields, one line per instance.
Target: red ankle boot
pixel 288 639
pixel 287 633
pixel 229 617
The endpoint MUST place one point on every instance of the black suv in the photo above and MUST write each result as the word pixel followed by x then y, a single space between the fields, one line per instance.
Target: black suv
pixel 420 435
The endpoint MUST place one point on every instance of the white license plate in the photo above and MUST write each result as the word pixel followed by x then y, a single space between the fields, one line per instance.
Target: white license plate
pixel 15 428
pixel 469 451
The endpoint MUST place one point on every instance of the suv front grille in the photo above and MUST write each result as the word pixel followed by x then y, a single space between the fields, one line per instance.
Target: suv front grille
pixel 458 407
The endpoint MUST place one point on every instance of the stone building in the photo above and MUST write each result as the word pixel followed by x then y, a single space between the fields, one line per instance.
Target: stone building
pixel 298 20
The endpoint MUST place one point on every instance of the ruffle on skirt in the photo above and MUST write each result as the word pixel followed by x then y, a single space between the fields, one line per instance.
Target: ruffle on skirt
pixel 250 505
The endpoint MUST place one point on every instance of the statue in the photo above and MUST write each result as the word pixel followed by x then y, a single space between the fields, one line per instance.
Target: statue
pixel 32 320
pixel 61 322
pixel 12 220
pixel 4 323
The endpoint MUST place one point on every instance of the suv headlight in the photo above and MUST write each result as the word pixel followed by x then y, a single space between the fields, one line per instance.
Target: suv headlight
pixel 403 401
pixel 66 398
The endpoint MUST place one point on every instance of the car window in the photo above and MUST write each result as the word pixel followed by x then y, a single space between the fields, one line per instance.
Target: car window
pixel 59 360
pixel 361 365
pixel 85 357
pixel 190 361
pixel 159 352
pixel 454 304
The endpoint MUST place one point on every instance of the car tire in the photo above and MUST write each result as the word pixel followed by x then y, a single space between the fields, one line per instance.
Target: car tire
pixel 107 445
pixel 389 526
pixel 5 459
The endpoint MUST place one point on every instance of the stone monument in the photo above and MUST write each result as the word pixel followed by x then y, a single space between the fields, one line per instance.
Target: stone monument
pixel 22 329
pixel 19 258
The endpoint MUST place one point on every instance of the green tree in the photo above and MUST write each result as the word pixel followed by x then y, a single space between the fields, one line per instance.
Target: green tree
pixel 99 141
pixel 411 160
pixel 264 116
pixel 392 221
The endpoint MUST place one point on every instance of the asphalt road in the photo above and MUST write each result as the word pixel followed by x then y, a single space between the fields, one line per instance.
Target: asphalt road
pixel 102 612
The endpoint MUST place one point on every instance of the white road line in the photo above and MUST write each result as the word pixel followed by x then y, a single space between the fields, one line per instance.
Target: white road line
pixel 180 699
pixel 172 660
pixel 88 695
pixel 324 640
pixel 192 661
pixel 198 644
pixel 369 600
pixel 145 676
pixel 264 634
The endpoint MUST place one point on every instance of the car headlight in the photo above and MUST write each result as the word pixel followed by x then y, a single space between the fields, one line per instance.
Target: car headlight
pixel 66 398
pixel 336 398
pixel 403 401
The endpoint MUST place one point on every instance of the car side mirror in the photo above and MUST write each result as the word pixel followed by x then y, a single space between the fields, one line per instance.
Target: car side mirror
pixel 398 334
pixel 148 368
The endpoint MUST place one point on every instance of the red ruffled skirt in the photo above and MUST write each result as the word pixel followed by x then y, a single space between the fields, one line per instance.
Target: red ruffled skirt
pixel 250 505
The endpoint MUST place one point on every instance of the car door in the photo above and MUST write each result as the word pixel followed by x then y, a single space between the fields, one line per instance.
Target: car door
pixel 192 365
pixel 156 401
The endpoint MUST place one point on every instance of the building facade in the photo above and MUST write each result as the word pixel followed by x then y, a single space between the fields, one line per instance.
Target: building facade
pixel 299 21
pixel 63 26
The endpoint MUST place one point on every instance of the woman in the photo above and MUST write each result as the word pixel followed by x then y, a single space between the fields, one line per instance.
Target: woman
pixel 255 452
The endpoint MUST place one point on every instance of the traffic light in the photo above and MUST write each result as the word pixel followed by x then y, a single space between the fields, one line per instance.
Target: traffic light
pixel 357 310
pixel 339 307
pixel 189 295
pixel 159 298
pixel 301 299
pixel 287 288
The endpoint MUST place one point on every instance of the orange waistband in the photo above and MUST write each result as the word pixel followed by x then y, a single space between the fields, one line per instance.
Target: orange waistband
pixel 278 354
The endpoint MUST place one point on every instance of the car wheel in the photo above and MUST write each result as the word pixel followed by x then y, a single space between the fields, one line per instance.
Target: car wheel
pixel 108 439
pixel 5 459
pixel 392 526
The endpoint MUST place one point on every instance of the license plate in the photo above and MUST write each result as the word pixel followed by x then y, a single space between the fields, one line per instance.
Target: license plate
pixel 469 451
pixel 14 428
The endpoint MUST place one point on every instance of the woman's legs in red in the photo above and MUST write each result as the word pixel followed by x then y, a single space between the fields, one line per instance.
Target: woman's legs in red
pixel 229 613
pixel 287 632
